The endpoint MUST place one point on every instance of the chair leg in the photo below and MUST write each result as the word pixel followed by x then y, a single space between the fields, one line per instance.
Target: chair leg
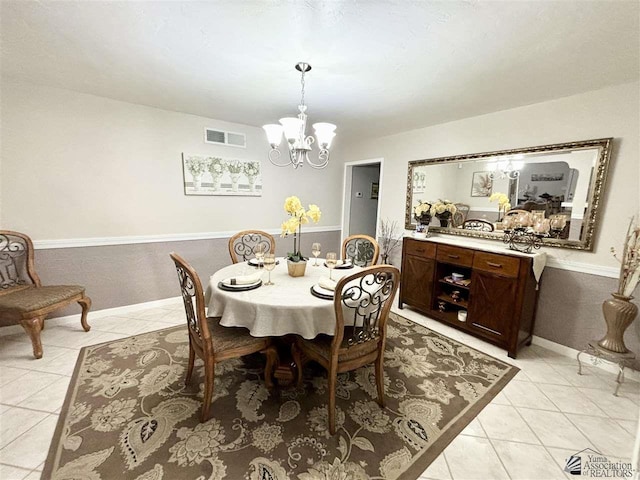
pixel 380 379
pixel 41 323
pixel 192 359
pixel 333 378
pixel 209 378
pixel 272 361
pixel 32 327
pixel 298 358
pixel 85 303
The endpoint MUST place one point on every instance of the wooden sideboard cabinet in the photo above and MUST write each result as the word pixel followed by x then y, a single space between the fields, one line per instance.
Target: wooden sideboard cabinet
pixel 498 290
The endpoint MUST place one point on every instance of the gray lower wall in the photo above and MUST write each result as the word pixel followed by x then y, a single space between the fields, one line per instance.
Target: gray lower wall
pixel 569 308
pixel 128 274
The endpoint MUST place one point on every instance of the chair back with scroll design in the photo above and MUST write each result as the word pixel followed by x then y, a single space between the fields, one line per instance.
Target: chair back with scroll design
pixel 478 225
pixel 363 250
pixel 361 311
pixel 462 210
pixel 193 299
pixel 16 261
pixel 242 244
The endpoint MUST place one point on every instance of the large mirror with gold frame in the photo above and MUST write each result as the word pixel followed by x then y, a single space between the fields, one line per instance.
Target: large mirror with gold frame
pixel 563 183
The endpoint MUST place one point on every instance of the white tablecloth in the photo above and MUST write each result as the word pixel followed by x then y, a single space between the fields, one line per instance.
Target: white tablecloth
pixel 272 311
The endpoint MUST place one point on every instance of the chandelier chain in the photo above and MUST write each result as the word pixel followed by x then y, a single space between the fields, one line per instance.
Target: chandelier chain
pixel 302 83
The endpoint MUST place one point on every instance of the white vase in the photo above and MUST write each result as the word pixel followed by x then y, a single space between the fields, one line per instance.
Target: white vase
pixel 234 181
pixel 216 182
pixel 252 182
pixel 197 182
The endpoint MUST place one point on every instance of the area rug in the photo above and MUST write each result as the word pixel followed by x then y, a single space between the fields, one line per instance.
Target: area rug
pixel 128 414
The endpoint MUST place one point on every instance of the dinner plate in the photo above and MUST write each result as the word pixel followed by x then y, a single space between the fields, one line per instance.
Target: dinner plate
pixel 239 288
pixel 344 266
pixel 254 263
pixel 318 291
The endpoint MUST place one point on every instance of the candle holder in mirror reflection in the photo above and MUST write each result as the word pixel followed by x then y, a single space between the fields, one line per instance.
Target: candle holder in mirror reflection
pixel 522 239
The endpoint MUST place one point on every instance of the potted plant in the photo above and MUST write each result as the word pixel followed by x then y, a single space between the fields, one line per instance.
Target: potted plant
pixel 503 204
pixel 216 169
pixel 443 210
pixel 196 166
pixel 296 262
pixel 422 214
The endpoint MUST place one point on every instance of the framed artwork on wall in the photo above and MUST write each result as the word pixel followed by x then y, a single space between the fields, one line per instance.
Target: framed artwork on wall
pixel 207 175
pixel 547 177
pixel 375 187
pixel 481 184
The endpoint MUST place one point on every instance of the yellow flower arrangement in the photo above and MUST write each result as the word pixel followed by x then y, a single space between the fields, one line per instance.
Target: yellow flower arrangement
pixel 293 225
pixel 443 207
pixel 503 203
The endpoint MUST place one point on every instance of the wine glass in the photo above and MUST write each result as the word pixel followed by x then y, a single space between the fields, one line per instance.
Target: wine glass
pixel 315 250
pixel 331 261
pixel 259 251
pixel 269 265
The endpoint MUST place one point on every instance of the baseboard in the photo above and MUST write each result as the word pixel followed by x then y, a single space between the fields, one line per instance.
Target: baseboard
pixel 136 307
pixel 585 358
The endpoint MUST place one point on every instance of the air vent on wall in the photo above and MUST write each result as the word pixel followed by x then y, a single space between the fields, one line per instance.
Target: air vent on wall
pixel 220 137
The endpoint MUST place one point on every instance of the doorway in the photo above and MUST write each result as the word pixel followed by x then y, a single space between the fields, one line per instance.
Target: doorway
pixel 361 207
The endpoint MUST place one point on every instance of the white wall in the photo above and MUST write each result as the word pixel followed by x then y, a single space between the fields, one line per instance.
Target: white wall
pixel 610 112
pixel 81 166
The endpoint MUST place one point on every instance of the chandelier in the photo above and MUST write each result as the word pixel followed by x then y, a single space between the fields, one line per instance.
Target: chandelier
pixel 294 131
pixel 509 168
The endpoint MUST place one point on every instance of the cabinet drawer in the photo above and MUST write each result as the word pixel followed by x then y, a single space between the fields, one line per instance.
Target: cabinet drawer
pixel 494 263
pixel 420 249
pixel 455 255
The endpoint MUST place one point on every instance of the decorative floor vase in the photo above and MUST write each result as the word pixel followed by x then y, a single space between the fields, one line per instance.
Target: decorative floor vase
pixel 296 269
pixel 619 313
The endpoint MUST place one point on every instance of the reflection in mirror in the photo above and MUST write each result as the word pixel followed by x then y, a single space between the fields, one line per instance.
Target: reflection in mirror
pixel 563 180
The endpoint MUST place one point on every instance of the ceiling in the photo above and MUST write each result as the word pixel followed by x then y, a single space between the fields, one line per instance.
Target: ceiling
pixel 379 67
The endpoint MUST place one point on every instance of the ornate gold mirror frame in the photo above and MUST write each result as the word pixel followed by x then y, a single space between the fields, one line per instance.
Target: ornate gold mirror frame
pixel 587 162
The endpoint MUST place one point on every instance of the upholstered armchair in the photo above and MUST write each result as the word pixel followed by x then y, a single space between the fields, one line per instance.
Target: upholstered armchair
pixel 23 299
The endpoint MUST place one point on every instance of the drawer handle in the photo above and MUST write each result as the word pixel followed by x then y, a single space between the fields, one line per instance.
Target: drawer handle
pixel 494 265
pixel 453 256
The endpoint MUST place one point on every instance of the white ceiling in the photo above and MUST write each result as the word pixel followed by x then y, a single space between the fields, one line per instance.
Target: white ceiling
pixel 378 66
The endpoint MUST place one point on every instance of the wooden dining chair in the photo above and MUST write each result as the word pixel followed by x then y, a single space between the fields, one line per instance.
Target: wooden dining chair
pixel 462 210
pixel 478 225
pixel 363 250
pixel 242 244
pixel 361 311
pixel 212 342
pixel 23 298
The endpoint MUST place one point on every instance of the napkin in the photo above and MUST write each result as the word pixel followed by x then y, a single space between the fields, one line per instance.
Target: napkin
pixel 243 279
pixel 343 263
pixel 327 283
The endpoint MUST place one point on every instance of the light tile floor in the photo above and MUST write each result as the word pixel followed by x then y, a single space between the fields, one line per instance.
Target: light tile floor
pixel 546 413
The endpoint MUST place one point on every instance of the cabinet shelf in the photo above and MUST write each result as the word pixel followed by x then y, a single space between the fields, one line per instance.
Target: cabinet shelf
pixel 452 284
pixel 447 298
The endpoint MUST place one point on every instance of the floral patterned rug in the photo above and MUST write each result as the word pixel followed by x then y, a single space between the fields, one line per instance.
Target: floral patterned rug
pixel 128 414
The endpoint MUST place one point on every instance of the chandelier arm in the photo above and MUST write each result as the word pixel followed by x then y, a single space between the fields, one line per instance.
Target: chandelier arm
pixel 323 156
pixel 274 156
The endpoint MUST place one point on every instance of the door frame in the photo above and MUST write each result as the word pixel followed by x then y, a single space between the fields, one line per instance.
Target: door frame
pixel 346 195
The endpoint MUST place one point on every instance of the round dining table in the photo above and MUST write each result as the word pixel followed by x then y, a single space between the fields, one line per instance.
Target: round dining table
pixel 287 307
